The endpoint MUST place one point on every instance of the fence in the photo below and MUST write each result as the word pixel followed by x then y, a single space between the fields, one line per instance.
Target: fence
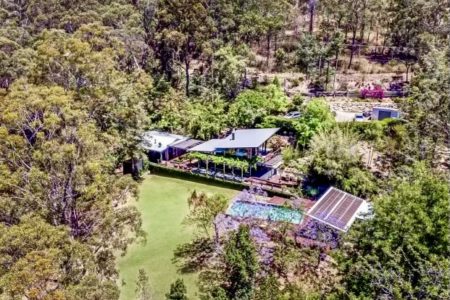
pixel 355 94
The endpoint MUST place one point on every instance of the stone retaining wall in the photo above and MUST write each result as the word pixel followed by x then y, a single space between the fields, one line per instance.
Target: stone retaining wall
pixel 358 107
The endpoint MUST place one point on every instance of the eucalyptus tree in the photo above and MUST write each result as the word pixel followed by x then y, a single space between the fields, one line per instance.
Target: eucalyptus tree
pixel 235 277
pixel 429 105
pixel 402 250
pixel 228 70
pixel 41 259
pixel 183 30
pixel 56 164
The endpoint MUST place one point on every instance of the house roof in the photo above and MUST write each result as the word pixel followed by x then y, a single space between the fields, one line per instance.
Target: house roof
pixel 186 144
pixel 159 141
pixel 385 108
pixel 337 209
pixel 241 138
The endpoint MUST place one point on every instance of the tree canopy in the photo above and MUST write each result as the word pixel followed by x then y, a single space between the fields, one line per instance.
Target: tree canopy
pixel 402 252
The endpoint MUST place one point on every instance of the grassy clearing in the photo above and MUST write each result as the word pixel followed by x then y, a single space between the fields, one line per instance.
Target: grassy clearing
pixel 163 206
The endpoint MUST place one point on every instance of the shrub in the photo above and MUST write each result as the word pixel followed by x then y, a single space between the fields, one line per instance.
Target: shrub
pixel 298 100
pixel 377 92
pixel 280 59
pixel 295 82
pixel 288 154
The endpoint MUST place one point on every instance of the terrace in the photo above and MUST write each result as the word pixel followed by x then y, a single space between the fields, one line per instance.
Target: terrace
pixel 314 223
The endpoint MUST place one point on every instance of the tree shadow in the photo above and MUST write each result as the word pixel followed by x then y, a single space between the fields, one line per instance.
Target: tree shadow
pixel 194 256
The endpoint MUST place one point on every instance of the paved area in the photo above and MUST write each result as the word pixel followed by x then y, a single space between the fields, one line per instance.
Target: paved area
pixel 342 116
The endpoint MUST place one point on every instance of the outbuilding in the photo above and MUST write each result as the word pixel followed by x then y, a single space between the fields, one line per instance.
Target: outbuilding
pixel 158 144
pixel 380 113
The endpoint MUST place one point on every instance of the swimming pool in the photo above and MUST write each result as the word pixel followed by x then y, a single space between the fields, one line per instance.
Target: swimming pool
pixel 268 212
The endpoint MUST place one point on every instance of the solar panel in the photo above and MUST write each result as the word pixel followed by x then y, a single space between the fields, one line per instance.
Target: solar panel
pixel 336 208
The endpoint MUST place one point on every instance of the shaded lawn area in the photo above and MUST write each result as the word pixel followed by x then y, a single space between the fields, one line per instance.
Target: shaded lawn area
pixel 163 205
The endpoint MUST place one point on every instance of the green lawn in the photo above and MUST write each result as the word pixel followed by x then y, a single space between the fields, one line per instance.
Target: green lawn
pixel 163 206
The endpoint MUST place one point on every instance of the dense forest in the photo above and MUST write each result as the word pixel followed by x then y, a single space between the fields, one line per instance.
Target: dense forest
pixel 81 80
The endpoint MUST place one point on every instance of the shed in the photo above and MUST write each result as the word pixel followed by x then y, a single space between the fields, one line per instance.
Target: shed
pixel 157 144
pixel 380 113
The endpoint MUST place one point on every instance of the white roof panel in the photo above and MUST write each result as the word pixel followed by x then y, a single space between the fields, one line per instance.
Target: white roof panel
pixel 159 141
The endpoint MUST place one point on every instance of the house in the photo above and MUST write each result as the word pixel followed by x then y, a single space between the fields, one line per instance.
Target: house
pixel 245 143
pixel 163 146
pixel 380 113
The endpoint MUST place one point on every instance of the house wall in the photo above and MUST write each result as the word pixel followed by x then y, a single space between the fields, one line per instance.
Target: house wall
pixel 376 113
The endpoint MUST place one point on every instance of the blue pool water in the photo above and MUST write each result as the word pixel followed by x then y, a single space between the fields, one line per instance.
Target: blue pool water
pixel 264 211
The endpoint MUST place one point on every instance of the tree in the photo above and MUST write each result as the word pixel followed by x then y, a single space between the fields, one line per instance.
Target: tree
pixel 402 251
pixel 334 156
pixel 205 116
pixel 268 289
pixel 359 182
pixel 251 106
pixel 170 112
pixel 311 8
pixel 409 19
pixel 177 291
pixel 241 265
pixel 85 64
pixel 182 31
pixel 55 164
pixel 308 53
pixel 273 17
pixel 356 17
pixel 335 48
pixel 204 209
pixel 142 286
pixel 316 116
pixel 228 70
pixel 429 105
pixel 294 292
pixel 40 260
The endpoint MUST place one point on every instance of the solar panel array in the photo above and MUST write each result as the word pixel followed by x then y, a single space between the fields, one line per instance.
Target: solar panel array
pixel 336 208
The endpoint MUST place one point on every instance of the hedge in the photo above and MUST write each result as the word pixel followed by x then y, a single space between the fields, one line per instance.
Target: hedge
pixel 155 168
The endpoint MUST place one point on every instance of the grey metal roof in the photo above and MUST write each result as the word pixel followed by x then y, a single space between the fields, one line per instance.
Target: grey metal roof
pixel 337 209
pixel 241 138
pixel 386 108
